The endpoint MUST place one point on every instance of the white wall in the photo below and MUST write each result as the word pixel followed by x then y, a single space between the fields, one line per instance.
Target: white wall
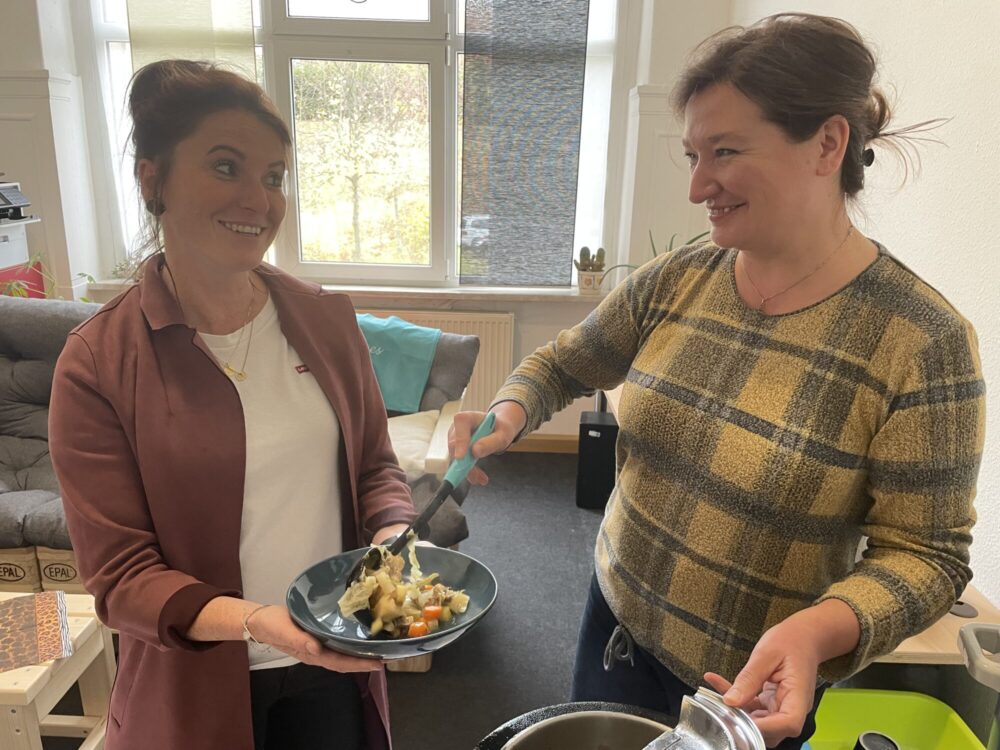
pixel 942 60
pixel 43 138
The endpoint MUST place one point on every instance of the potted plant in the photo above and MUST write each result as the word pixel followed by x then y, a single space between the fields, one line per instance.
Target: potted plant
pixel 590 269
pixel 28 279
pixel 652 243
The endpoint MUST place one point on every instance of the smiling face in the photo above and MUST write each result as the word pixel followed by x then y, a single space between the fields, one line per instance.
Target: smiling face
pixel 757 185
pixel 223 194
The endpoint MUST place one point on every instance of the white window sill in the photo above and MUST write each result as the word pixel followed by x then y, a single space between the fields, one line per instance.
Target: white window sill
pixel 107 288
pixel 472 293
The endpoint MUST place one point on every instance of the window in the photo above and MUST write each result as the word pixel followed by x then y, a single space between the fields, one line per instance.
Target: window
pixel 114 67
pixel 372 92
pixel 369 199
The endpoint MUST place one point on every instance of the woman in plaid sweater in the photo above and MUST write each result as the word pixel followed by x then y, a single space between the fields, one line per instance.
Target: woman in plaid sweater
pixel 789 387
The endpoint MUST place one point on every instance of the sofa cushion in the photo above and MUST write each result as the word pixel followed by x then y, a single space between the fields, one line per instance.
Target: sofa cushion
pixel 448 526
pixel 32 335
pixel 451 370
pixel 25 465
pixel 410 435
pixel 45 526
pixel 15 507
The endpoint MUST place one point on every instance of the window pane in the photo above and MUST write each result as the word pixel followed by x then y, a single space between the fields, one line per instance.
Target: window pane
pixel 601 24
pixel 362 134
pixel 115 12
pixel 523 95
pixel 459 109
pixel 120 73
pixel 372 10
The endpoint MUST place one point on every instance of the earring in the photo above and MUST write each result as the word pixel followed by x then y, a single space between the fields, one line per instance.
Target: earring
pixel 155 206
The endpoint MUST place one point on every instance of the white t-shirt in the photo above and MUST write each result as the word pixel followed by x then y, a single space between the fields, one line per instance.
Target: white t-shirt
pixel 291 496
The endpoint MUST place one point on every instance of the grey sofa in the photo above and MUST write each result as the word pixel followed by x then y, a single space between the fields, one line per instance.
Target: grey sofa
pixel 32 335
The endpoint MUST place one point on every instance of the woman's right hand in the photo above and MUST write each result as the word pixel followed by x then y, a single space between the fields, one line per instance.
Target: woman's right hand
pixel 273 626
pixel 510 420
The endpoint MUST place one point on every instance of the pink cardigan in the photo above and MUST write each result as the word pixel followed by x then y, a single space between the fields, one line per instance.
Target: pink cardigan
pixel 147 437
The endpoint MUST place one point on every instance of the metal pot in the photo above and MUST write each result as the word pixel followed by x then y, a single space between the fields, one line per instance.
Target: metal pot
pixel 498 738
pixel 589 730
pixel 705 723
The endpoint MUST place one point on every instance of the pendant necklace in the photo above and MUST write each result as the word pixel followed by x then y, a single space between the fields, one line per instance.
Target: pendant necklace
pixel 764 300
pixel 227 367
pixel 241 374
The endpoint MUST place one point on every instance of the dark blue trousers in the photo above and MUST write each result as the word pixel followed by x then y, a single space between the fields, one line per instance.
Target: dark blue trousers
pixel 648 684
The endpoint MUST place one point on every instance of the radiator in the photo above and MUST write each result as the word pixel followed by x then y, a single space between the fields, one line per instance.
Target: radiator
pixel 496 346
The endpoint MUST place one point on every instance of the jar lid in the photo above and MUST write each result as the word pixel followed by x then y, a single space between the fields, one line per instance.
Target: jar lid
pixel 707 723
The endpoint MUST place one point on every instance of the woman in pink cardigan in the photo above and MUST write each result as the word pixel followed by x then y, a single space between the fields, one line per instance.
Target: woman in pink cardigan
pixel 216 429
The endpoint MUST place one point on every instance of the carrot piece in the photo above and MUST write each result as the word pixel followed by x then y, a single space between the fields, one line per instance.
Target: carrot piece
pixel 417 628
pixel 431 612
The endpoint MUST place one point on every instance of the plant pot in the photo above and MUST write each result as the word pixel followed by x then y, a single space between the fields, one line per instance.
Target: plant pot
pixel 589 281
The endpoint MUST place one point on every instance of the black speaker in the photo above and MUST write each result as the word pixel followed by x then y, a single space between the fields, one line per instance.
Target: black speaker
pixel 595 470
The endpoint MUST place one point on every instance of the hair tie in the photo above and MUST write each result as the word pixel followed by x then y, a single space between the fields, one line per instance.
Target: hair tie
pixel 867 157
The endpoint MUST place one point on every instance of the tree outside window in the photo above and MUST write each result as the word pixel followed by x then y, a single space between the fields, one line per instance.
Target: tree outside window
pixel 363 161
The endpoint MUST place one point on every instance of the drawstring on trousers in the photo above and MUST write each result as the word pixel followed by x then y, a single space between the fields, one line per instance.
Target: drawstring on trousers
pixel 620 648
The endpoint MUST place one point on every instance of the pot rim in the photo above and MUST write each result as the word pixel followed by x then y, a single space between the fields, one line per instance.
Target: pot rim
pixel 526 733
pixel 496 739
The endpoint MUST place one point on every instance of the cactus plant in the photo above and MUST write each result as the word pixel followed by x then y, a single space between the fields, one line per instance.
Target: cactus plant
pixel 588 262
pixel 652 242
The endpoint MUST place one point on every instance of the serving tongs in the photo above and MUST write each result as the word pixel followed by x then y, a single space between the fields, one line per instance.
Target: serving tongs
pixel 707 723
pixel 372 559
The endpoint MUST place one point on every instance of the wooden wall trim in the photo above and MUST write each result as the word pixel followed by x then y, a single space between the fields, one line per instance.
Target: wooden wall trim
pixel 547 444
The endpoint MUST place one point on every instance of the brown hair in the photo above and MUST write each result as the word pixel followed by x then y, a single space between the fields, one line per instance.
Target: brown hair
pixel 801 69
pixel 168 100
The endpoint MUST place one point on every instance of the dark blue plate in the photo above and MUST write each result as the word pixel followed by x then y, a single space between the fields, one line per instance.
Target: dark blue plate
pixel 312 602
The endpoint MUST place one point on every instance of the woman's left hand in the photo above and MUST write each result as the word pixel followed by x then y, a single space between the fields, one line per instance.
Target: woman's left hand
pixel 776 687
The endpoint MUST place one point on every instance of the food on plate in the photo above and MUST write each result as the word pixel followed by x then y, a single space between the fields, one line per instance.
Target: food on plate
pixel 416 606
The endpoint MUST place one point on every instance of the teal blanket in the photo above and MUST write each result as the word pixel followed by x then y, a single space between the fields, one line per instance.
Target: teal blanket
pixel 402 354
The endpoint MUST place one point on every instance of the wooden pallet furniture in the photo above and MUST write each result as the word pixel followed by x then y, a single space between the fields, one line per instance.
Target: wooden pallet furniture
pixel 28 695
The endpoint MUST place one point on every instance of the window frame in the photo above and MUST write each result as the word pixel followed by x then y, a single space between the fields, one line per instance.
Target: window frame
pixel 435 28
pixel 116 197
pixel 432 42
pixel 442 163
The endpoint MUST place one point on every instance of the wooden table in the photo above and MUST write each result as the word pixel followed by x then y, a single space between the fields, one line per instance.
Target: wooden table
pixel 28 695
pixel 939 643
pixel 936 645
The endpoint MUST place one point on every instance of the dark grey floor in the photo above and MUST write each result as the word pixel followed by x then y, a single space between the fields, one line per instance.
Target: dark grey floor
pixel 526 528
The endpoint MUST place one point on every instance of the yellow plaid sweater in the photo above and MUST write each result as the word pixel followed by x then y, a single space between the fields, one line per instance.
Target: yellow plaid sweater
pixel 755 451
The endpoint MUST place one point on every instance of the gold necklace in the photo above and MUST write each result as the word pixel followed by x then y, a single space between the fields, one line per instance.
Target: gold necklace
pixel 227 367
pixel 241 374
pixel 764 300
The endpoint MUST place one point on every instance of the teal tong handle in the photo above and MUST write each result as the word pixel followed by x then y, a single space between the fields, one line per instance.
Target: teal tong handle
pixel 461 467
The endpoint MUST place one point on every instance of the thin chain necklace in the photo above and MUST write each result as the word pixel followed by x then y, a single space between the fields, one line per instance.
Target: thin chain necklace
pixel 227 367
pixel 241 374
pixel 764 300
